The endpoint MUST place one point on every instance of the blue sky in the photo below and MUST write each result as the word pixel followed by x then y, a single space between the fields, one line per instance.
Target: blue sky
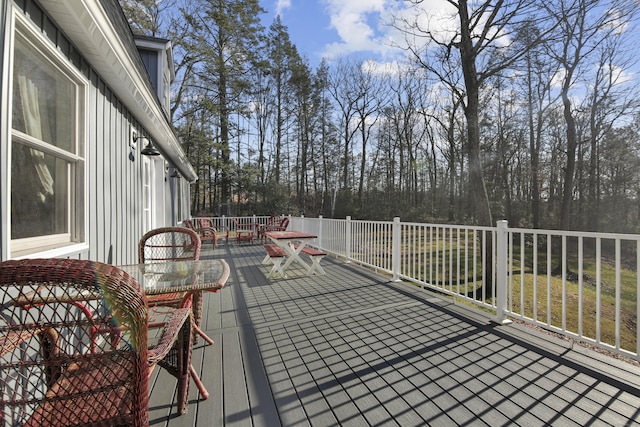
pixel 333 28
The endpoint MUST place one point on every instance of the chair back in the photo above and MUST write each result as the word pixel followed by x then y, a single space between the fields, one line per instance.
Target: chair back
pixel 206 222
pixel 274 220
pixel 169 244
pixel 283 224
pixel 73 344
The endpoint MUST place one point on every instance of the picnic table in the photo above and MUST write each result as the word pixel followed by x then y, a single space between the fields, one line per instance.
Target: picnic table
pixel 287 246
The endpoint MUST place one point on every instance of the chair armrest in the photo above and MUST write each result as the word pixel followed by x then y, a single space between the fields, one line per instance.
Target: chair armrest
pixel 172 327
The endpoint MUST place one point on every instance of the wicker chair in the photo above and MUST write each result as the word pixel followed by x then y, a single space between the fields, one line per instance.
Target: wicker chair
pixel 279 224
pixel 221 231
pixel 171 244
pixel 73 345
pixel 244 230
pixel 206 231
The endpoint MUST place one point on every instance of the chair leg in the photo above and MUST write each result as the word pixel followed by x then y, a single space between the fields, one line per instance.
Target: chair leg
pixel 204 336
pixel 196 379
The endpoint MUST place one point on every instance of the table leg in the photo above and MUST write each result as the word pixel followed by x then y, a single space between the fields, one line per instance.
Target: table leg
pixel 293 253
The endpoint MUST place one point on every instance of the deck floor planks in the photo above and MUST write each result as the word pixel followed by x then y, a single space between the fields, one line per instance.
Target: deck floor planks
pixel 236 401
pixel 210 368
pixel 263 409
pixel 352 348
pixel 163 396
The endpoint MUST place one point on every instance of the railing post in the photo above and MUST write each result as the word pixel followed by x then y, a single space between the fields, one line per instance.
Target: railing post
pixel 320 231
pixel 347 246
pixel 502 239
pixel 395 249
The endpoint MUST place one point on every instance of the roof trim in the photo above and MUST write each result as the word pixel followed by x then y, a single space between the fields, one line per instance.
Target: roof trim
pixel 92 30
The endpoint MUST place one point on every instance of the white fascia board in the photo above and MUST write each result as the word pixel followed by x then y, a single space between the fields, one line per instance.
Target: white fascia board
pixel 89 28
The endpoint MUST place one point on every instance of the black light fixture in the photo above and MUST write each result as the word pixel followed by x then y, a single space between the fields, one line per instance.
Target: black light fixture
pixel 150 149
pixel 175 174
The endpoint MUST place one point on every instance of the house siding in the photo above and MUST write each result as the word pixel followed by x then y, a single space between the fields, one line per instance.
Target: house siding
pixel 114 218
pixel 150 60
pixel 4 123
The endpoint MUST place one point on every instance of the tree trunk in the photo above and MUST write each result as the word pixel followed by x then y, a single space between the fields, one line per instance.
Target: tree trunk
pixel 479 198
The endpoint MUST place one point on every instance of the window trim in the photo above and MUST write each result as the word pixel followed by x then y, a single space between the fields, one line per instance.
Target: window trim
pixel 77 217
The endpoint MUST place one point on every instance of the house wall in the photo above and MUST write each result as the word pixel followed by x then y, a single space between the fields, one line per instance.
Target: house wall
pixel 4 221
pixel 114 173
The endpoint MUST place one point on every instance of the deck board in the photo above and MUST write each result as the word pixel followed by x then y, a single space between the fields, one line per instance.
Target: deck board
pixel 354 348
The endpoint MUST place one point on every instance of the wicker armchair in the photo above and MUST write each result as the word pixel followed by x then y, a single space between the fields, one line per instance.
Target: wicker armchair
pixel 168 244
pixel 73 345
pixel 206 231
pixel 222 231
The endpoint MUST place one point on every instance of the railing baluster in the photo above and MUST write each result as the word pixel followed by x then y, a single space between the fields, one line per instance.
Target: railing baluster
pixel 637 298
pixel 458 261
pixel 549 275
pixel 598 288
pixel 501 251
pixel 397 242
pixel 618 293
pixel 580 284
pixel 564 283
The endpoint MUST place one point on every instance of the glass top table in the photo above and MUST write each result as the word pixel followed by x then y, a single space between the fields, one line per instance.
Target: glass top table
pixel 180 276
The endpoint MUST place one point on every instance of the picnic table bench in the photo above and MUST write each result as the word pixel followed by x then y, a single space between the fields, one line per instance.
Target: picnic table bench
pixel 316 256
pixel 275 255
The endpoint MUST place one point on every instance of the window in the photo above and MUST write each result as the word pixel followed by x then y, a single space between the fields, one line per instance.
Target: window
pixel 47 159
pixel 147 194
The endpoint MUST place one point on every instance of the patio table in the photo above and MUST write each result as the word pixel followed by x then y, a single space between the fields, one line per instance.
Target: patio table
pixel 180 276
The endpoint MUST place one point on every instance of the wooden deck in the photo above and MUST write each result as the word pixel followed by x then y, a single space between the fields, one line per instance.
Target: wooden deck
pixel 353 348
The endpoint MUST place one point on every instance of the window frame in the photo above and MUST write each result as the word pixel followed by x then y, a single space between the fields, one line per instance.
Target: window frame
pixel 77 186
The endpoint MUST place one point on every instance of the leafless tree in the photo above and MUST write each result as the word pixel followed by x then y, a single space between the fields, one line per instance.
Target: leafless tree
pixel 484 48
pixel 583 26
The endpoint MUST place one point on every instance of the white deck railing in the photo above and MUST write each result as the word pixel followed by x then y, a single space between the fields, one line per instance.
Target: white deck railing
pixel 583 285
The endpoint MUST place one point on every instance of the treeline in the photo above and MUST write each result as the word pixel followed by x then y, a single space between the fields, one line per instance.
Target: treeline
pixel 519 110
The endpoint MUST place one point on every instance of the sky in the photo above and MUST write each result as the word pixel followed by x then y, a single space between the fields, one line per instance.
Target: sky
pixel 361 28
pixel 334 28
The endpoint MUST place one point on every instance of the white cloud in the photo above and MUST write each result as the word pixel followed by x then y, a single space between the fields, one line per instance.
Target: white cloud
pixel 364 25
pixel 281 5
pixel 358 24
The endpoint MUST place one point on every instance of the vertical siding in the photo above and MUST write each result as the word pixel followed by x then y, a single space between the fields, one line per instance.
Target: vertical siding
pixel 113 220
pixel 91 155
pixel 5 123
pixel 116 213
